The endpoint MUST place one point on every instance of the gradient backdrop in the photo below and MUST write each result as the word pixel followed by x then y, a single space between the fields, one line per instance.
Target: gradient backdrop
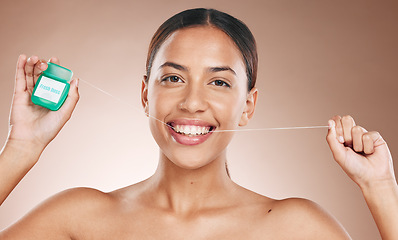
pixel 317 59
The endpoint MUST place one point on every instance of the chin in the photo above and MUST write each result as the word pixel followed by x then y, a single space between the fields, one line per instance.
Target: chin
pixel 189 160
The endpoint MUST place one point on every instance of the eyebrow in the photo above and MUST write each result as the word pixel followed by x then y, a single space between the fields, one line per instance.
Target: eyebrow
pixel 183 68
pixel 174 65
pixel 220 69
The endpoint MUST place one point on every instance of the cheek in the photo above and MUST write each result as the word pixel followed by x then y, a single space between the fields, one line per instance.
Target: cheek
pixel 229 108
pixel 160 103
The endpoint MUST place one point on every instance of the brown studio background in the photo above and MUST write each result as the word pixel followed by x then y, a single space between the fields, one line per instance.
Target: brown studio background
pixel 317 59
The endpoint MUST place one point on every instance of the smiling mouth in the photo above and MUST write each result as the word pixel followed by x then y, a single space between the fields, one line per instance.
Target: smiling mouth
pixel 191 130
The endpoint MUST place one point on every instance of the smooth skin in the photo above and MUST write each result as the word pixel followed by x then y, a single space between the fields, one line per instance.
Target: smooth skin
pixel 366 159
pixel 190 196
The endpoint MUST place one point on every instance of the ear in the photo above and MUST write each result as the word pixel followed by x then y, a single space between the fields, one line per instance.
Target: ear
pixel 248 112
pixel 144 94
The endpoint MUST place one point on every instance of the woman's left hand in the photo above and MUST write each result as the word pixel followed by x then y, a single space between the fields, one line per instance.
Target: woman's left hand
pixel 363 155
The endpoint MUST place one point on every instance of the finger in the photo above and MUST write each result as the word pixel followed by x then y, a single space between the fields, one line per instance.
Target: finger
pixel 20 80
pixel 54 60
pixel 357 132
pixel 370 141
pixel 339 128
pixel 29 66
pixel 347 123
pixel 40 66
pixel 71 101
pixel 337 147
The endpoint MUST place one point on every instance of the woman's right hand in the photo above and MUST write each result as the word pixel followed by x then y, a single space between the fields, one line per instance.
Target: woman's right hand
pixel 31 127
pixel 29 123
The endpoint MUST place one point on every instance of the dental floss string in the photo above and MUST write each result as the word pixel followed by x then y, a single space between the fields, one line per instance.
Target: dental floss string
pixel 120 100
pixel 236 130
pixel 265 129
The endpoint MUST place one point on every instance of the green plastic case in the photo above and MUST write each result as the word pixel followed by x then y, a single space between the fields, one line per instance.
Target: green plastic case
pixel 52 87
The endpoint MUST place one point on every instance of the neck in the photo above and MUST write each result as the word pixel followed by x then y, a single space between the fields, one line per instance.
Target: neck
pixel 184 190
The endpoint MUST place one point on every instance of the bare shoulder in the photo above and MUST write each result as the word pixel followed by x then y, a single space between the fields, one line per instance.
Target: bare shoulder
pixel 60 215
pixel 306 220
pixel 75 199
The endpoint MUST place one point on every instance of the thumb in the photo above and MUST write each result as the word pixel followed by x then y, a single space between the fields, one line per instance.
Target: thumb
pixel 337 148
pixel 71 101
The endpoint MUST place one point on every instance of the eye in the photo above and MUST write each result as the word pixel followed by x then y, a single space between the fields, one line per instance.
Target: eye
pixel 172 79
pixel 220 83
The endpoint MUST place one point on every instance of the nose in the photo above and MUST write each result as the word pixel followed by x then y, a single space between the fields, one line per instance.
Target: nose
pixel 194 99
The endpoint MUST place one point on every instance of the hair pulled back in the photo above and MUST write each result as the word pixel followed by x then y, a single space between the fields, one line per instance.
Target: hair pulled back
pixel 230 25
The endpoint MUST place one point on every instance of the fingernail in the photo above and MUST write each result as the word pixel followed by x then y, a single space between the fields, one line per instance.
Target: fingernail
pixel 330 124
pixel 43 66
pixel 341 139
pixel 33 58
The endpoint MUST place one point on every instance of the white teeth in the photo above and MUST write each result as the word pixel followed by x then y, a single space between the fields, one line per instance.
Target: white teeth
pixel 191 129
pixel 186 130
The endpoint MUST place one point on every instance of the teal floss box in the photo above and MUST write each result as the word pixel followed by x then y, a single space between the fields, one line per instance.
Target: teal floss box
pixel 52 87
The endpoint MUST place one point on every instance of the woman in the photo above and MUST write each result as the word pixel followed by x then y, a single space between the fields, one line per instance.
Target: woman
pixel 201 73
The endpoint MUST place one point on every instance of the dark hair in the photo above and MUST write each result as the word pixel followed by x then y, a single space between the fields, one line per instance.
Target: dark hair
pixel 233 27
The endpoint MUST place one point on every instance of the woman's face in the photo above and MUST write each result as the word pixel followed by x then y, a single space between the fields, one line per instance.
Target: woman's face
pixel 197 84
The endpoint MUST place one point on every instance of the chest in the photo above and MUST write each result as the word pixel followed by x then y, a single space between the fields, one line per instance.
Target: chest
pixel 154 226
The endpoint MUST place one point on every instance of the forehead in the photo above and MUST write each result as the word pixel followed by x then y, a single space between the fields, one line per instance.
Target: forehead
pixel 197 47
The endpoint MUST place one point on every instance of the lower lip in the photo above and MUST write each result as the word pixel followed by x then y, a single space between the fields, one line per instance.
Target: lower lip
pixel 188 140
